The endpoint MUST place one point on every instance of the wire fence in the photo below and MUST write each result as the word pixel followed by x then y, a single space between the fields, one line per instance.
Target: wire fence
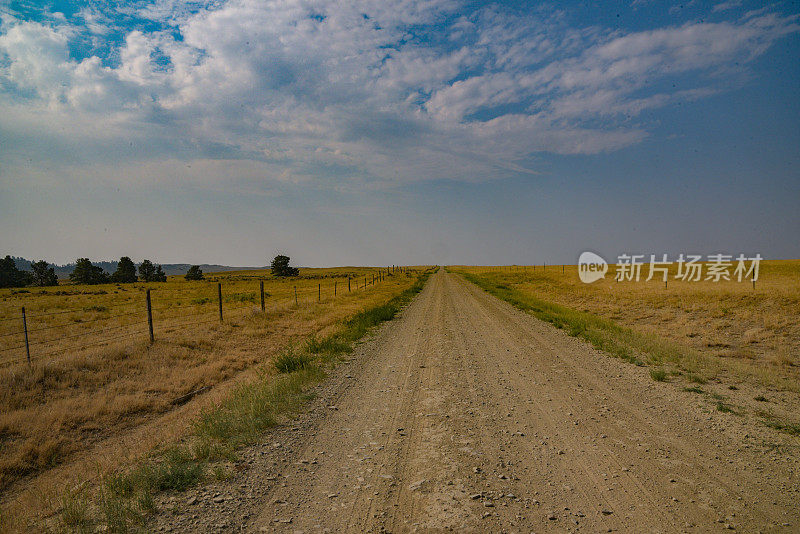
pixel 150 314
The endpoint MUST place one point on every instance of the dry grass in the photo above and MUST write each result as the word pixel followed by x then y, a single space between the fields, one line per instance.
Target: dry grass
pixel 82 390
pixel 726 326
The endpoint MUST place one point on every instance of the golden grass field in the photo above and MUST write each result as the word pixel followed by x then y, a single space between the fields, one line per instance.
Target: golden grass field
pixel 95 378
pixel 747 331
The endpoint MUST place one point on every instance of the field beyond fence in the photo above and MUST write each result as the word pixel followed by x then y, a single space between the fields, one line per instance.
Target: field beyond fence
pixel 94 375
pixel 750 329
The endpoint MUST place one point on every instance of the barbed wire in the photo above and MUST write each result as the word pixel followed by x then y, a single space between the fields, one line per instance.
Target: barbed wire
pixel 291 296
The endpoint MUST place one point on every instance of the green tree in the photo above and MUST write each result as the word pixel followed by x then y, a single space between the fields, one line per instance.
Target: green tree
pixel 86 273
pixel 10 276
pixel 43 274
pixel 160 275
pixel 147 271
pixel 126 271
pixel 194 273
pixel 280 267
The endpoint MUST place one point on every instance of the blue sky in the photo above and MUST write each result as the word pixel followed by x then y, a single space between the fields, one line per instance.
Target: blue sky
pixel 414 131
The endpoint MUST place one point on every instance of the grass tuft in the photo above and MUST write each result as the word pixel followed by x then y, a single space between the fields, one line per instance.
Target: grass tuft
pixel 724 408
pixel 75 512
pixel 693 389
pixel 289 362
pixel 789 428
pixel 658 374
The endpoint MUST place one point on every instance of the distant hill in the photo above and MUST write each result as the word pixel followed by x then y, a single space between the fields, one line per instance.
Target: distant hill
pixel 110 266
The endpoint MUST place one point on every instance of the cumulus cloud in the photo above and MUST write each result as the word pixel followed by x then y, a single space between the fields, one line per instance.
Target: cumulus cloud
pixel 367 91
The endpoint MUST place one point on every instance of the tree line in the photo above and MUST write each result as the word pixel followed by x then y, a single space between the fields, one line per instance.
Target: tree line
pixel 43 274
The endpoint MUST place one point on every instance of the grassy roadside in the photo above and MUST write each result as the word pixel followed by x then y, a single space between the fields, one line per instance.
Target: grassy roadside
pixel 124 500
pixel 666 358
pixel 603 334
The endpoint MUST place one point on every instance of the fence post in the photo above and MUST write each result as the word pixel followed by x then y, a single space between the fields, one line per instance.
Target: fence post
pixel 263 307
pixel 319 292
pixel 334 288
pixel 25 328
pixel 365 282
pixel 295 295
pixel 150 316
pixel 348 283
pixel 219 297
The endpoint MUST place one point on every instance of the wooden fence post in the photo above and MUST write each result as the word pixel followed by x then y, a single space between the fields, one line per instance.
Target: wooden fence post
pixel 150 317
pixel 295 295
pixel 219 298
pixel 334 288
pixel 25 328
pixel 319 293
pixel 263 307
pixel 348 283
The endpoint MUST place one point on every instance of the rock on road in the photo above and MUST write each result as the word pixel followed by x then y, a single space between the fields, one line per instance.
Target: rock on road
pixel 465 414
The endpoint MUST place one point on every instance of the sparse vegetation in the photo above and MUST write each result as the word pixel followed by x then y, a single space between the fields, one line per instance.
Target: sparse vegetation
pixel 789 428
pixel 697 379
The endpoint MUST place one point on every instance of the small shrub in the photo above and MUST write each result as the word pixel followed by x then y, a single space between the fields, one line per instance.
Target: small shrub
pixel 760 398
pixel 658 374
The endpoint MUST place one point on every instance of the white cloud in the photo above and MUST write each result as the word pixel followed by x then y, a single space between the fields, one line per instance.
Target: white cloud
pixel 724 6
pixel 364 91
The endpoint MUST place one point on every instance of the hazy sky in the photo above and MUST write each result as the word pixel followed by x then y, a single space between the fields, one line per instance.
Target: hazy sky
pixel 412 131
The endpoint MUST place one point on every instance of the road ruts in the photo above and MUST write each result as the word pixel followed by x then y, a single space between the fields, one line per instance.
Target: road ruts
pixel 467 415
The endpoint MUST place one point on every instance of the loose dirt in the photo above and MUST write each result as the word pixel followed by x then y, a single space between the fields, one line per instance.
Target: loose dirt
pixel 465 414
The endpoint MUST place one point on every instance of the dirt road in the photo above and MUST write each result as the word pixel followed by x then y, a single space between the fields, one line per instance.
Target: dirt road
pixel 465 414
